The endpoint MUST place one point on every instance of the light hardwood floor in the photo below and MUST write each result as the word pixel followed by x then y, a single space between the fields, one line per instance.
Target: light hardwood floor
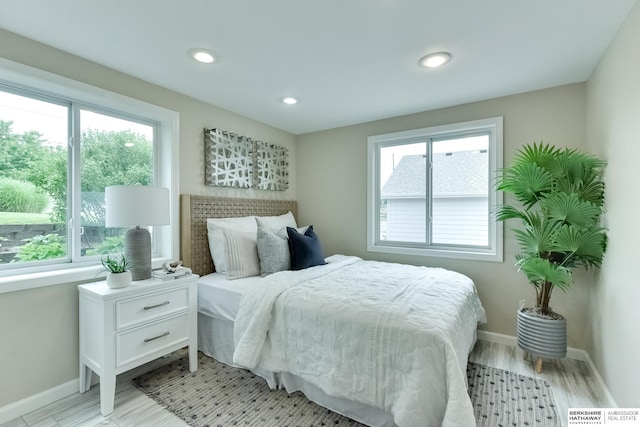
pixel 572 382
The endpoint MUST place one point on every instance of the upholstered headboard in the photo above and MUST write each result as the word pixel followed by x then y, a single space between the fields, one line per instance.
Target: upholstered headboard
pixel 194 211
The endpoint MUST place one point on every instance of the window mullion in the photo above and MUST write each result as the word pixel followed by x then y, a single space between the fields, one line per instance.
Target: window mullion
pixel 377 196
pixel 73 199
pixel 429 195
pixel 157 240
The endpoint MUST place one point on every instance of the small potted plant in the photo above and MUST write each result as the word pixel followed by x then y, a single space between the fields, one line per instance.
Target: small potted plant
pixel 118 276
pixel 560 199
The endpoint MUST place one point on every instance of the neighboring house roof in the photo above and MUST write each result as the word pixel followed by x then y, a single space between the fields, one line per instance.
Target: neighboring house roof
pixel 461 173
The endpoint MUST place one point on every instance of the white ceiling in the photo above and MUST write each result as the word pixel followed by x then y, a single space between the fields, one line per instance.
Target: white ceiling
pixel 349 61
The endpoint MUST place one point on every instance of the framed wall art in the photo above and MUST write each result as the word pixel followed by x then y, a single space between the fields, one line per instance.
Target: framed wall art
pixel 228 159
pixel 233 160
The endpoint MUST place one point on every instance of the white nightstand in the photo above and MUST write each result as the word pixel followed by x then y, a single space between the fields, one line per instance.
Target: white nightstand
pixel 124 328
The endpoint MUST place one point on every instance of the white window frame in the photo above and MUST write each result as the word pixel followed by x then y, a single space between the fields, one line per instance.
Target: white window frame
pixel 166 174
pixel 494 251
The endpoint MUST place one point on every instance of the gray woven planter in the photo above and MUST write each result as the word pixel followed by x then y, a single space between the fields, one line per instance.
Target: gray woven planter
pixel 545 338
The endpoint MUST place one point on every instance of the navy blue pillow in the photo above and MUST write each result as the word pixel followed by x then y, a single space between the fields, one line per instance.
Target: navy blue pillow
pixel 305 249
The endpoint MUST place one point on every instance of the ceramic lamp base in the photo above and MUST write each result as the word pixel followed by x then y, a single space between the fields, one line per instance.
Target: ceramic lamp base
pixel 137 250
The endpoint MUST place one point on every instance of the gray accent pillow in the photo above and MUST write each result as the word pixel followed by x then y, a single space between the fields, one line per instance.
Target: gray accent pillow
pixel 273 250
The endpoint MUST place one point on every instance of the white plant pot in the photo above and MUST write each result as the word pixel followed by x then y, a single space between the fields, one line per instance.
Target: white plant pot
pixel 118 280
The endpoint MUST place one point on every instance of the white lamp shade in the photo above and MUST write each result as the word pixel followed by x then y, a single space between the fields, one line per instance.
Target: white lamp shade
pixel 129 206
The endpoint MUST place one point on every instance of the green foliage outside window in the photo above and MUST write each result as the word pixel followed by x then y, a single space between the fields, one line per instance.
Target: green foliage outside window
pixel 19 152
pixel 39 248
pixel 21 196
pixel 109 245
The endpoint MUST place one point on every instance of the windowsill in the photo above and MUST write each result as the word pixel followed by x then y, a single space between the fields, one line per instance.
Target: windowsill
pixel 25 281
pixel 458 253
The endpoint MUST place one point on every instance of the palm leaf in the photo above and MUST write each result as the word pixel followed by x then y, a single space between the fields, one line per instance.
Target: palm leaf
pixel 565 166
pixel 537 235
pixel 589 162
pixel 568 208
pixel 535 153
pixel 586 244
pixel 592 191
pixel 539 270
pixel 505 212
pixel 527 182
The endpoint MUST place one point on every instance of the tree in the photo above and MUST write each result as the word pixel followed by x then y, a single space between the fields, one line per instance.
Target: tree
pixel 50 175
pixel 18 152
pixel 111 158
pixel 114 158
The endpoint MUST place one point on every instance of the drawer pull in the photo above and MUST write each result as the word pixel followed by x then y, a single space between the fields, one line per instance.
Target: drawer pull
pixel 155 338
pixel 149 307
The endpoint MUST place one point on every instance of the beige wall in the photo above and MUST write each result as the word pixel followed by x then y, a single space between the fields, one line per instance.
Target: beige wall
pixel 39 340
pixel 332 193
pixel 39 327
pixel 613 131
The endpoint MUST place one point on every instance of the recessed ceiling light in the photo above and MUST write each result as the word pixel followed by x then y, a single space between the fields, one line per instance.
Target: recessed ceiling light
pixel 202 55
pixel 290 100
pixel 434 60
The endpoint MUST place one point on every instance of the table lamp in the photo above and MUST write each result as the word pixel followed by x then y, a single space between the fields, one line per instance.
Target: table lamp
pixel 136 206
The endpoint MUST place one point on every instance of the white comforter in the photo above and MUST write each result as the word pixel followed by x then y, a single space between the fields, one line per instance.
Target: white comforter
pixel 391 336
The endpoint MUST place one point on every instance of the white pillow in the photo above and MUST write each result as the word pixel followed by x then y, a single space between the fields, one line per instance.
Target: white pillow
pixel 215 233
pixel 241 253
pixel 276 223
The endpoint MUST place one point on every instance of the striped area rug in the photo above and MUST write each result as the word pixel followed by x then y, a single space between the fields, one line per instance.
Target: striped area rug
pixel 219 395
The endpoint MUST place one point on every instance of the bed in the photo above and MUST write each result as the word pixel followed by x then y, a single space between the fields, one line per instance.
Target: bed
pixel 384 344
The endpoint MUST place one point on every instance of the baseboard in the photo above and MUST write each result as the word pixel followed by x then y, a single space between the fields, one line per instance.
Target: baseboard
pixel 610 400
pixel 572 353
pixel 37 401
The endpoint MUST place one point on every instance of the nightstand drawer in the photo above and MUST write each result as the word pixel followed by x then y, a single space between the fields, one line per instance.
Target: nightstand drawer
pixel 131 312
pixel 140 342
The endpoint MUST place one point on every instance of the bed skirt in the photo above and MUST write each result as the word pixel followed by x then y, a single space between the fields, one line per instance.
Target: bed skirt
pixel 215 339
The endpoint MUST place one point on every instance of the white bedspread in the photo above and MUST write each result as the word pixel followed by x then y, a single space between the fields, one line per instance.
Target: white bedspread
pixel 391 336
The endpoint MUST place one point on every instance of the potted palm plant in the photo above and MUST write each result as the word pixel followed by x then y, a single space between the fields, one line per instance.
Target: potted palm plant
pixel 560 199
pixel 118 276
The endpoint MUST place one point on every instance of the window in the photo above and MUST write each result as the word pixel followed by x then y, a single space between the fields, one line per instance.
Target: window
pixel 60 146
pixel 431 191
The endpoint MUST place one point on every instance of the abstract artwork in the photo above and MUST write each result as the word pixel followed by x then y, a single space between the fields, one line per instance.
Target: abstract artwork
pixel 233 160
pixel 272 166
pixel 228 159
